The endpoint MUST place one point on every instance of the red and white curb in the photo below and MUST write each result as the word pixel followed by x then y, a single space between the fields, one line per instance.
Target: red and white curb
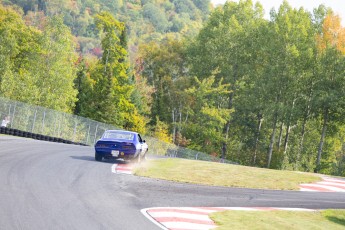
pixel 122 168
pixel 327 185
pixel 197 218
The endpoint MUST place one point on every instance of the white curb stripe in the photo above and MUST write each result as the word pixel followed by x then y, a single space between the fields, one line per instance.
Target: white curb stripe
pixel 113 168
pixel 328 184
pixel 195 209
pixel 178 217
pixel 334 180
pixel 121 169
pixel 331 184
pixel 307 190
pixel 330 188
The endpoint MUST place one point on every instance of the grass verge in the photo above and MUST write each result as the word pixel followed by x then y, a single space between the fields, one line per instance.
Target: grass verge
pixel 217 174
pixel 297 220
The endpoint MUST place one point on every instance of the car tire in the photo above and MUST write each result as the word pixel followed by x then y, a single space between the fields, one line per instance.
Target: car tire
pixel 98 157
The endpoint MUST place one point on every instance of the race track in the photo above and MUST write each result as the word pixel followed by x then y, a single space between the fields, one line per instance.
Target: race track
pixel 48 185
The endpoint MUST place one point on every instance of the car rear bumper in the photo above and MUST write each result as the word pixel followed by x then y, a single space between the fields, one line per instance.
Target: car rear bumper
pixel 114 153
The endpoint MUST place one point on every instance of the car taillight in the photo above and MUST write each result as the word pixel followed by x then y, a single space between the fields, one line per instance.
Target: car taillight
pixel 128 146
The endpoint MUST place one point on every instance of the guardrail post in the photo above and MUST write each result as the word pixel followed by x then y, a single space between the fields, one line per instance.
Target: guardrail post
pixel 13 115
pixel 43 120
pixel 75 129
pixel 33 123
pixel 88 134
pixel 94 141
pixel 58 133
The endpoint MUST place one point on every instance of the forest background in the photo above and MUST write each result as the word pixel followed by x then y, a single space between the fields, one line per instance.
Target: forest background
pixel 224 80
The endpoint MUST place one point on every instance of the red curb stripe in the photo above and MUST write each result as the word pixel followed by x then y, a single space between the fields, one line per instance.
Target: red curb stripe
pixel 342 186
pixel 180 223
pixel 127 171
pixel 180 219
pixel 178 211
pixel 121 168
pixel 316 188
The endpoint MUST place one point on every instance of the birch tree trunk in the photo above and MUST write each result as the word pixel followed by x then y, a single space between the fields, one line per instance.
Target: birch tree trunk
pixel 174 125
pixel 280 136
pixel 270 150
pixel 322 140
pixel 288 128
pixel 300 147
pixel 259 116
pixel 227 127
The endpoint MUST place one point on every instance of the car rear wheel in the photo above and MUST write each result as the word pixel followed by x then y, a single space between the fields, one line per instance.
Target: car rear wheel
pixel 98 157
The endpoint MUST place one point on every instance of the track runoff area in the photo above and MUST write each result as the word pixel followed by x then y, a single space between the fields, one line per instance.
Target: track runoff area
pixel 171 218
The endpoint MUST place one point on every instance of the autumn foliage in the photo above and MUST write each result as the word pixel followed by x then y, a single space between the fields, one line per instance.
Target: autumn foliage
pixel 333 34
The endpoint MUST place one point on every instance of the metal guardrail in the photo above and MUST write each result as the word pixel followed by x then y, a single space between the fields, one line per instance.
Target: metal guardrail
pixel 40 120
pixel 75 129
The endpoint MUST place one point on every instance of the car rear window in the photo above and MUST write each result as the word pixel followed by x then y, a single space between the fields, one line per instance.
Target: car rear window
pixel 118 135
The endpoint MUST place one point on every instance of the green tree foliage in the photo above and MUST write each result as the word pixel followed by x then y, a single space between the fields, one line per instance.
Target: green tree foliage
pixel 284 103
pixel 268 93
pixel 161 131
pixel 55 68
pixel 109 100
pixel 329 87
pixel 164 68
pixel 208 115
pixel 203 5
pixel 223 48
pixel 38 66
pixel 156 17
pixel 143 18
pixel 290 51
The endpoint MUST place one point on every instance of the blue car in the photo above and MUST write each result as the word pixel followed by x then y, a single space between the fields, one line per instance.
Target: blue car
pixel 121 144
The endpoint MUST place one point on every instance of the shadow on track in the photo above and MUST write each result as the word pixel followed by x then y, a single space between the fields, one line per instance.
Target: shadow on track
pixel 107 161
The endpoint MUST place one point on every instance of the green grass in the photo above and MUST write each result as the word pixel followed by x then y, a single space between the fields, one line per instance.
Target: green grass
pixel 217 174
pixel 296 220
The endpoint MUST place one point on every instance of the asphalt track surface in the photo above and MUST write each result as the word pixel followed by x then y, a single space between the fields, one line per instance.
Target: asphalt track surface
pixel 48 185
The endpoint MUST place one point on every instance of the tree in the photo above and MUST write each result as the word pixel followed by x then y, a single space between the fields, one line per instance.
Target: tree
pixel 156 17
pixel 208 115
pixel 291 51
pixel 55 66
pixel 222 48
pixel 329 89
pixel 164 68
pixel 38 66
pixel 110 98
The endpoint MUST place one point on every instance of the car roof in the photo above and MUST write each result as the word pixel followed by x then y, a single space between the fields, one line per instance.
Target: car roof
pixel 122 131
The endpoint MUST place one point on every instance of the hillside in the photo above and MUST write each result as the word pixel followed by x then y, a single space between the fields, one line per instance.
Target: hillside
pixel 145 20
